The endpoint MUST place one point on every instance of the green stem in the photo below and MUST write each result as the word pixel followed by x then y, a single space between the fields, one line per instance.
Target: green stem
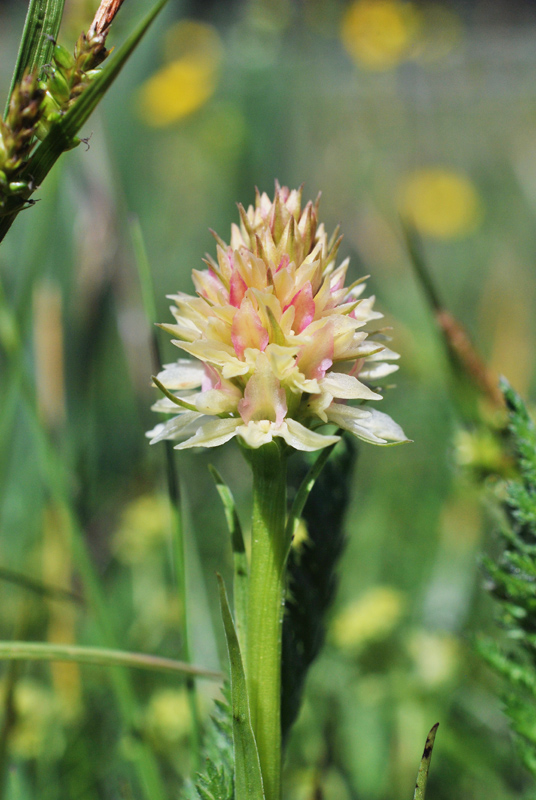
pixel 179 550
pixel 269 551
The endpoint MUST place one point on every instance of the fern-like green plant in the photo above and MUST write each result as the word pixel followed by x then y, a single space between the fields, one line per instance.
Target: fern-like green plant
pixel 215 781
pixel 512 582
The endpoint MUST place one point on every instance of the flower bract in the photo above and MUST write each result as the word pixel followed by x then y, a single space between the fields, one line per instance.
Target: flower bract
pixel 276 340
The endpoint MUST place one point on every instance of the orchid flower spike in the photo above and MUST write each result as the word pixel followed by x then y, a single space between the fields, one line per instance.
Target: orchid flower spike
pixel 276 340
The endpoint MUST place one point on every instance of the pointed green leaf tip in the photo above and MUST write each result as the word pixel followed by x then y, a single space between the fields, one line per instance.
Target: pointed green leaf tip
pixel 248 778
pixel 422 775
pixel 240 561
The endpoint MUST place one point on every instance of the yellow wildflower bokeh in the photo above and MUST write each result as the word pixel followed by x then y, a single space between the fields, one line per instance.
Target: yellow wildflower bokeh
pixel 38 730
pixel 436 657
pixel 378 34
pixel 194 52
pixel 371 617
pixel 168 717
pixel 143 528
pixel 440 202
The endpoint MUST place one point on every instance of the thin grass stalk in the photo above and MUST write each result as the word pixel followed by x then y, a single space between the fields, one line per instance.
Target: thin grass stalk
pixel 9 719
pixel 100 656
pixel 18 321
pixel 38 587
pixel 9 708
pixel 173 486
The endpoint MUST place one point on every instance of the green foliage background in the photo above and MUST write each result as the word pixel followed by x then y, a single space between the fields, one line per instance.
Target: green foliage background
pixel 291 105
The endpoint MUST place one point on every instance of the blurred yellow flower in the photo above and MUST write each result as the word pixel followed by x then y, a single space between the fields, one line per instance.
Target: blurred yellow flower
pixel 194 51
pixel 168 717
pixel 144 526
pixel 436 656
pixel 440 202
pixel 371 617
pixel 480 450
pixel 378 34
pixel 38 729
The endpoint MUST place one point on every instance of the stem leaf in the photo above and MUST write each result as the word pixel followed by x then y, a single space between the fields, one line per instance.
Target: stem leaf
pixel 241 570
pixel 248 778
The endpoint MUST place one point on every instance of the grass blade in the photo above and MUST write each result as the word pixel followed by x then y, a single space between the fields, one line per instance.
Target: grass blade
pixel 177 526
pixel 248 778
pixel 422 775
pixel 38 587
pixel 40 30
pixel 241 570
pixel 100 656
pixel 470 374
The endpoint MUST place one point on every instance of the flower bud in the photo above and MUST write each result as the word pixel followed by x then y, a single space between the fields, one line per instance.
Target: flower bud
pixel 62 58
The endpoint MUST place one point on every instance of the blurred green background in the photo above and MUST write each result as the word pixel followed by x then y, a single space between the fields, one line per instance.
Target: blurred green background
pixel 421 110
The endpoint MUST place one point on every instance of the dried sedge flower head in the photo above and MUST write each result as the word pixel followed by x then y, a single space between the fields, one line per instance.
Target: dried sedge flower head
pixel 278 340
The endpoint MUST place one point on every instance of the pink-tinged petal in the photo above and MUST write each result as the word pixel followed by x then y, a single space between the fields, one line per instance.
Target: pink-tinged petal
pixel 283 264
pixel 305 307
pixel 237 290
pixel 208 285
pixel 264 398
pixel 247 329
pixel 211 379
pixel 316 357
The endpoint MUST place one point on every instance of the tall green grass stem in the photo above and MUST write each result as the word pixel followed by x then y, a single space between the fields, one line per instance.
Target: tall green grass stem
pixel 269 552
pixel 177 527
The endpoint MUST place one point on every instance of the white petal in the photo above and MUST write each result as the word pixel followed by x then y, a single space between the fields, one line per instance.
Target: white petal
pixel 368 424
pixel 338 384
pixel 183 374
pixel 377 371
pixel 165 406
pixel 383 354
pixel 183 425
pixel 301 438
pixel 255 434
pixel 212 434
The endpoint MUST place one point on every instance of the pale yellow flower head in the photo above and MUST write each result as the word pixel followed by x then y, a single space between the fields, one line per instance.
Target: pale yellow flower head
pixel 277 339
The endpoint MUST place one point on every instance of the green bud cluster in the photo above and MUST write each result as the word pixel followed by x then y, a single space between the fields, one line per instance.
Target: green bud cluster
pixel 36 105
pixel 17 133
pixel 68 76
